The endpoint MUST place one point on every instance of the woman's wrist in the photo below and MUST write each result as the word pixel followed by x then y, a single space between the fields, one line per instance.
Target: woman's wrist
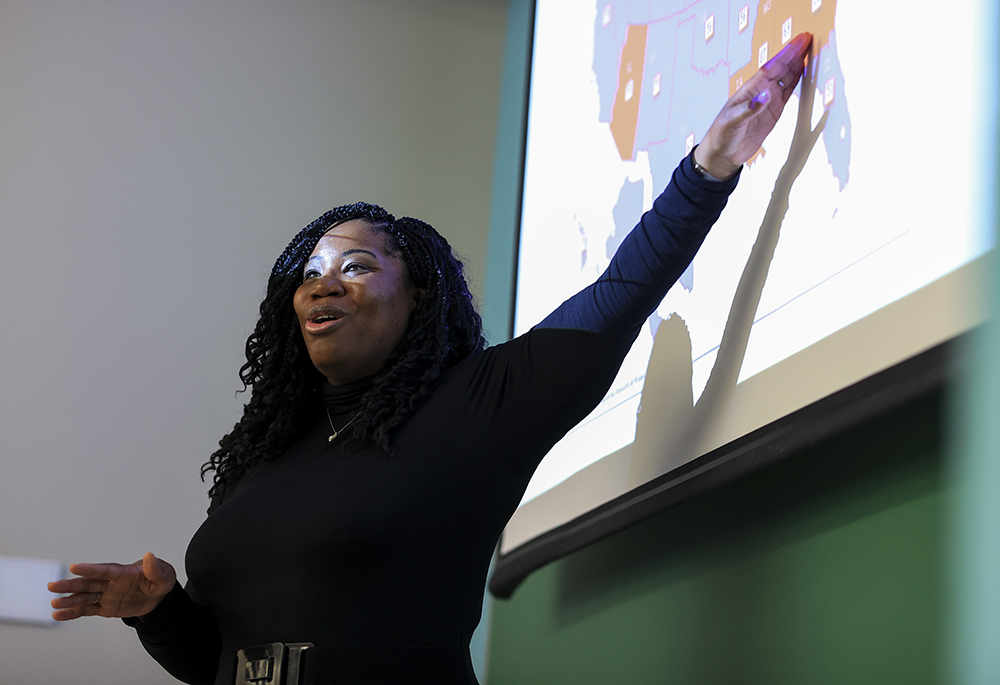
pixel 712 167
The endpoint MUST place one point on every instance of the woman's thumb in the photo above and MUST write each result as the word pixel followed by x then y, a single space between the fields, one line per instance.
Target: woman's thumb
pixel 156 570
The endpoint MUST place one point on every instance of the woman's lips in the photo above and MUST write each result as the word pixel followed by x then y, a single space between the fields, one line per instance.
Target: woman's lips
pixel 324 318
pixel 321 326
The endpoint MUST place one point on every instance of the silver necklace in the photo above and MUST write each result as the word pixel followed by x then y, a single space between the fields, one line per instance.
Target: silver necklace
pixel 335 431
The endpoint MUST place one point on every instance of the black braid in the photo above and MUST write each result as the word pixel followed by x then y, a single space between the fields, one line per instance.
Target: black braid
pixel 444 329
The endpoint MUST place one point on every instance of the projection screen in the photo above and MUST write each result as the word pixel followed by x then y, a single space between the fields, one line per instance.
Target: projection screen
pixel 877 259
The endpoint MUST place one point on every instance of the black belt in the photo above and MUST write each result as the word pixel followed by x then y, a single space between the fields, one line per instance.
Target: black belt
pixel 302 663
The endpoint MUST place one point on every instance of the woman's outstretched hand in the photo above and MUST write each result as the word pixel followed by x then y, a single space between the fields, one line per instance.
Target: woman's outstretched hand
pixel 113 589
pixel 750 114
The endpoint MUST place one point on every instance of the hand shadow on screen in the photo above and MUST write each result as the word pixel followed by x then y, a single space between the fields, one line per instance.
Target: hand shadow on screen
pixel 670 428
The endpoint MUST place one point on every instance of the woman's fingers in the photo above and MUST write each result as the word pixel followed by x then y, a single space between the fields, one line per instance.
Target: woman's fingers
pixel 84 593
pixel 785 68
pixel 81 597
pixel 780 74
pixel 78 592
pixel 76 600
pixel 78 585
pixel 101 571
pixel 778 77
pixel 90 609
pixel 82 602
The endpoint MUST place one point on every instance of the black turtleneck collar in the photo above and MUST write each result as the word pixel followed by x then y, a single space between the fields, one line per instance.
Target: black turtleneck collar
pixel 341 399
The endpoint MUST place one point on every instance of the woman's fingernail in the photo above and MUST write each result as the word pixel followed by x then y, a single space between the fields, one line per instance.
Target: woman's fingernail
pixel 760 100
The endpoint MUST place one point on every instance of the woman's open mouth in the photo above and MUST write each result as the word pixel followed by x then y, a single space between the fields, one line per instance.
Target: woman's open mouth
pixel 323 318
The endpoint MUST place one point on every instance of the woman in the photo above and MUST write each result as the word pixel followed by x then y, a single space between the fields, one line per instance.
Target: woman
pixel 357 503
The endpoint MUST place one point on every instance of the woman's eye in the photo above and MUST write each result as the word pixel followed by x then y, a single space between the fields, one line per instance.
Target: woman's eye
pixel 310 273
pixel 354 267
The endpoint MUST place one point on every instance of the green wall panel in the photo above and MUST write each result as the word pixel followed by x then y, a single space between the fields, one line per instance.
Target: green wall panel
pixel 825 568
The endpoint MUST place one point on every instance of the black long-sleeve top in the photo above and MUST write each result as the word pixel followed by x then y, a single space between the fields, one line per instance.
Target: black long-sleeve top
pixel 383 560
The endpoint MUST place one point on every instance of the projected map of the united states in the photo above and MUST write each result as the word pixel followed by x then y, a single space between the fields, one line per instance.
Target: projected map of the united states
pixel 663 67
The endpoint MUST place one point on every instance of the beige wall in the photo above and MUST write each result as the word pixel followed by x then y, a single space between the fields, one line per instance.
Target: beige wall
pixel 155 158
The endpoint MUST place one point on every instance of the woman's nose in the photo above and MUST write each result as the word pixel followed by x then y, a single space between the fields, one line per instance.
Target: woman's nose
pixel 328 285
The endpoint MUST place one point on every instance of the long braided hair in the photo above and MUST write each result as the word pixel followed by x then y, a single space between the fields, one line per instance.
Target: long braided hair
pixel 443 329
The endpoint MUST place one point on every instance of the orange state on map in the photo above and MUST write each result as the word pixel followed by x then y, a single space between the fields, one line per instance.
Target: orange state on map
pixel 625 111
pixel 778 21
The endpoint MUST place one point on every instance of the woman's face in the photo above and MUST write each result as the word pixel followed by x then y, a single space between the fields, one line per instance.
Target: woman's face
pixel 354 303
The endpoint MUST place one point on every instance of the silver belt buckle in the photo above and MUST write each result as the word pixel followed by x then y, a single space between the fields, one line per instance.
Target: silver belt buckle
pixel 276 663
